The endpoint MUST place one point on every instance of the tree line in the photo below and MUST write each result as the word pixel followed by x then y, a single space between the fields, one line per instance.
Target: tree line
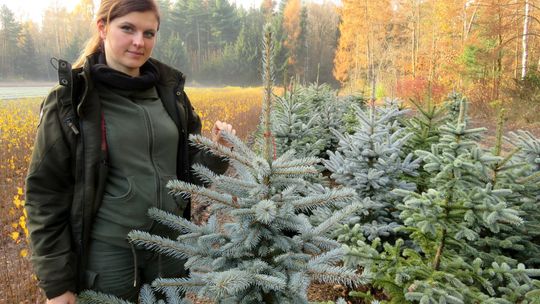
pixel 401 47
pixel 213 42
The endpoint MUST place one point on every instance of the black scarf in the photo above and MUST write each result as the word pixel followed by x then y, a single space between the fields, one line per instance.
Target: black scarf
pixel 102 73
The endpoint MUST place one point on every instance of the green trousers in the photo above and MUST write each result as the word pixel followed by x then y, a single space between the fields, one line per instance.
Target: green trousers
pixel 112 270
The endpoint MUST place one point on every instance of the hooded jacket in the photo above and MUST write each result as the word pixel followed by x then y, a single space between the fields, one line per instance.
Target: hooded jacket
pixel 68 169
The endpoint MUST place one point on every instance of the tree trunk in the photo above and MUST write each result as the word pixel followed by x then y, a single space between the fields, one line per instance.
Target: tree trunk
pixel 524 41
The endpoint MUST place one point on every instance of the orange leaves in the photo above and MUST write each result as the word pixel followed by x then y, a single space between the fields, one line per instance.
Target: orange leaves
pixel 291 27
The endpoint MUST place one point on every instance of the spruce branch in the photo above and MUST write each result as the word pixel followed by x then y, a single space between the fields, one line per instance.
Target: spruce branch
pixel 268 81
pixel 94 297
pixel 301 162
pixel 175 222
pixel 295 171
pixel 336 275
pixel 331 197
pixel 190 284
pixel 146 295
pixel 162 245
pixel 499 132
pixel 338 216
pixel 218 149
pixel 203 194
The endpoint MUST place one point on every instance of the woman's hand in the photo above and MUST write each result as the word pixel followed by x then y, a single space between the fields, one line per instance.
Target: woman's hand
pixel 67 297
pixel 216 132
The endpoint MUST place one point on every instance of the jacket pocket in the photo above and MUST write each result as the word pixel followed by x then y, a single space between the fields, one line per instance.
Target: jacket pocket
pixel 89 280
pixel 119 189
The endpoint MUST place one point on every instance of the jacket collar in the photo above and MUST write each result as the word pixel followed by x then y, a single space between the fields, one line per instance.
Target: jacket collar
pixel 170 80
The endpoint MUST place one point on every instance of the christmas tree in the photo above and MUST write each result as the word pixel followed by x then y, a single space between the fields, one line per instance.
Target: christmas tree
pixel 371 162
pixel 423 128
pixel 446 260
pixel 520 172
pixel 302 120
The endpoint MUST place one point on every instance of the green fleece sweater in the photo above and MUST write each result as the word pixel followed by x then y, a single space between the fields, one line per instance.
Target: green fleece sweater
pixel 142 144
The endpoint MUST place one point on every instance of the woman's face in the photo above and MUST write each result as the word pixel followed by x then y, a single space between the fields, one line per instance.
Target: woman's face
pixel 129 40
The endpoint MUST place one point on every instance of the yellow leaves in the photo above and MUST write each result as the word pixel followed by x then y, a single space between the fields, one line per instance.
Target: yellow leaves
pixel 24 252
pixel 238 106
pixel 18 121
pixel 14 235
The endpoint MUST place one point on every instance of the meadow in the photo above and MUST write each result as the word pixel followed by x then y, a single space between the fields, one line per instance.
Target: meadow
pixel 18 121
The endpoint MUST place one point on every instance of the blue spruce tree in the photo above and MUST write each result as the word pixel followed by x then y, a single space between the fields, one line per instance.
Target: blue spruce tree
pixel 302 120
pixel 447 261
pixel 371 162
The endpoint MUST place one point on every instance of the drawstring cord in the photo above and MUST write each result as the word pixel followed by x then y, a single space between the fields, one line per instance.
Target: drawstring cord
pixel 135 266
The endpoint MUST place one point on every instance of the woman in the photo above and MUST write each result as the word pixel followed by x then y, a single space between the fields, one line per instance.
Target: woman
pixel 110 137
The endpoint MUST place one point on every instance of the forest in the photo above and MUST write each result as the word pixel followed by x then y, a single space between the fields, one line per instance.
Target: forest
pixel 487 49
pixel 213 42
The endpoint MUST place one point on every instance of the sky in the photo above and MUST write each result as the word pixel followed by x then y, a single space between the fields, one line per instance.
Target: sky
pixel 33 9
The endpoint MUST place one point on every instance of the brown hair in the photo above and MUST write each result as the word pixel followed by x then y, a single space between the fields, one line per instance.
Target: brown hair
pixel 110 10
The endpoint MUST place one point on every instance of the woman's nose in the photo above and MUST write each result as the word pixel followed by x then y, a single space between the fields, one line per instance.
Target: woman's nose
pixel 138 40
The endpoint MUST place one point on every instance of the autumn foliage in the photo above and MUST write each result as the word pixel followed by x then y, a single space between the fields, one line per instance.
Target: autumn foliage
pixel 479 48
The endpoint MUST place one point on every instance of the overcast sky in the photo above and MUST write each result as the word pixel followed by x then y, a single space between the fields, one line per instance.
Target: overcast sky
pixel 33 9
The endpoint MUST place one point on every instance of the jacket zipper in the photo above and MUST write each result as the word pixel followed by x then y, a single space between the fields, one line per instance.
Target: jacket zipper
pixel 150 149
pixel 69 122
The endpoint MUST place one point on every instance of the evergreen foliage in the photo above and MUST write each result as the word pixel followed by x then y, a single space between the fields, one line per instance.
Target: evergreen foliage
pixel 303 120
pixel 423 128
pixel 453 103
pixel 450 228
pixel 520 172
pixel 370 161
pixel 350 120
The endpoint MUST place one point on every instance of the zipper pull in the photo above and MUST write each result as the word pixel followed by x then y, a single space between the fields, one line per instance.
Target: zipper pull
pixel 69 122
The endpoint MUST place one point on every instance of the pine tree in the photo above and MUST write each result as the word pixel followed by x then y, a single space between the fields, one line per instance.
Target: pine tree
pixel 267 251
pixel 9 32
pixel 520 172
pixel 303 119
pixel 424 130
pixel 370 161
pixel 447 261
pixel 350 119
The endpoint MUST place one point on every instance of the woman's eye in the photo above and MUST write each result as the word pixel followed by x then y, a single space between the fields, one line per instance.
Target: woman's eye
pixel 149 34
pixel 126 28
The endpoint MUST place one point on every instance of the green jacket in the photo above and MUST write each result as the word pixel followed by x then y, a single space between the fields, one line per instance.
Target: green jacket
pixel 68 170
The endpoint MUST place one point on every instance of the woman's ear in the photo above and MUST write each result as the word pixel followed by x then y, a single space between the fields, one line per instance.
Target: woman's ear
pixel 102 29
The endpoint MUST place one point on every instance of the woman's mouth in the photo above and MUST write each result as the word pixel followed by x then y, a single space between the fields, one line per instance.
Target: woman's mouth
pixel 135 53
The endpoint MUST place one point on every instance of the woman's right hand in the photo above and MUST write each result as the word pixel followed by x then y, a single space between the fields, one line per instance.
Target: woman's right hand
pixel 67 297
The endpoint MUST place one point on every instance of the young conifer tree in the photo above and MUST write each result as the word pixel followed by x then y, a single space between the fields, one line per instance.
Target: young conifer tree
pixel 424 130
pixel 302 120
pixel 447 261
pixel 371 162
pixel 267 251
pixel 520 172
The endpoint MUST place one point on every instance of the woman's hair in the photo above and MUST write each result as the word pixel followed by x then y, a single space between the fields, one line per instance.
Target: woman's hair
pixel 110 10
